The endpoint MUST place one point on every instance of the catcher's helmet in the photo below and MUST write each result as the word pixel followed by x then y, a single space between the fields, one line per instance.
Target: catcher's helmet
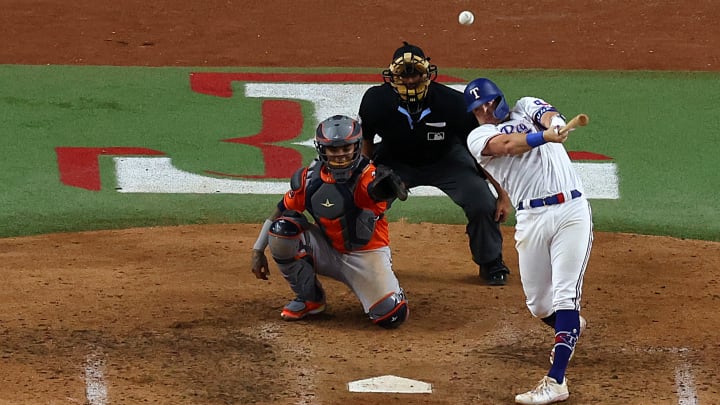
pixel 338 131
pixel 482 90
pixel 409 60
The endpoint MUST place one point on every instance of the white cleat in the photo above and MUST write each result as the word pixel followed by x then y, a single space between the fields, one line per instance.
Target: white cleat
pixel 583 325
pixel 548 391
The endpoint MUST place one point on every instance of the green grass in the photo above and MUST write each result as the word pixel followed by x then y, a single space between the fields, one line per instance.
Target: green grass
pixel 658 126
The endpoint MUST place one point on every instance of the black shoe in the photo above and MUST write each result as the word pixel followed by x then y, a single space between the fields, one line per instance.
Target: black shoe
pixel 495 272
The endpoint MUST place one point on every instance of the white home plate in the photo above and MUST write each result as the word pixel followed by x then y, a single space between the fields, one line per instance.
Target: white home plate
pixel 390 383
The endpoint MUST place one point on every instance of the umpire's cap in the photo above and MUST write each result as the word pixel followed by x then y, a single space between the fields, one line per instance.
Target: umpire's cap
pixel 409 48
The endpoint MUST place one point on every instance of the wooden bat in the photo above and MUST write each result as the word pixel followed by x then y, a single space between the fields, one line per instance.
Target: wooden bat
pixel 579 120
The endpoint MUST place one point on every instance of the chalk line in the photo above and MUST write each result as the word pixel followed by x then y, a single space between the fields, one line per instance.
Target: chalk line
pixel 685 381
pixel 95 387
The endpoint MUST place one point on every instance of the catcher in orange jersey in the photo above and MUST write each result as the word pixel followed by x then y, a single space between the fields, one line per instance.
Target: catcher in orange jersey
pixel 347 197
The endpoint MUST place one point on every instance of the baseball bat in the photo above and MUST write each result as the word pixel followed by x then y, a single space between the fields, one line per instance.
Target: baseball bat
pixel 579 120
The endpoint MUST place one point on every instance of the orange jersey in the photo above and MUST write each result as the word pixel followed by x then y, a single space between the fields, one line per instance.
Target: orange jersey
pixel 345 212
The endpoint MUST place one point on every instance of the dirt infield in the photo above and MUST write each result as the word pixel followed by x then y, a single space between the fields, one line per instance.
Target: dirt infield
pixel 173 315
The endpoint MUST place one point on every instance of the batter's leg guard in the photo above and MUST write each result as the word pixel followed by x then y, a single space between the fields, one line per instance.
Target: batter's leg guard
pixel 391 311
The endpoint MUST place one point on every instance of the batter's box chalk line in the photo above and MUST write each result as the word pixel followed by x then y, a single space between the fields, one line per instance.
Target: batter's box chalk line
pixel 95 386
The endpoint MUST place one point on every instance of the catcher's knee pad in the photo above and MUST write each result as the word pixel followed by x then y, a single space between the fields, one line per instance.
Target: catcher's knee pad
pixel 390 311
pixel 285 239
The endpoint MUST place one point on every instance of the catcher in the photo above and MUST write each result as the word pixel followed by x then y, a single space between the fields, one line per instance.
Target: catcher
pixel 347 196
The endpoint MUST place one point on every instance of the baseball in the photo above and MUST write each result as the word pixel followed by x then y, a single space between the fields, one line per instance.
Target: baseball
pixel 466 17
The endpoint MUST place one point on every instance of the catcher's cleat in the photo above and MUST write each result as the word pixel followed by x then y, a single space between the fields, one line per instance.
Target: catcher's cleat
pixel 547 391
pixel 495 272
pixel 583 325
pixel 298 309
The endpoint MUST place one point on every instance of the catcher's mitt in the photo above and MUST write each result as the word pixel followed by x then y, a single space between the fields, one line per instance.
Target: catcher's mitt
pixel 387 185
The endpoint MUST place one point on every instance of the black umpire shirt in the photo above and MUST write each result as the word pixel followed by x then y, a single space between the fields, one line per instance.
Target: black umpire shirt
pixel 424 139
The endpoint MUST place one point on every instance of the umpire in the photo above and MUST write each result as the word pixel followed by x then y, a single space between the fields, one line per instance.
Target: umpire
pixel 423 126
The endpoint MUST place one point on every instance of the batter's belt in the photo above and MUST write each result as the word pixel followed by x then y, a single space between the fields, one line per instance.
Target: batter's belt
pixel 558 198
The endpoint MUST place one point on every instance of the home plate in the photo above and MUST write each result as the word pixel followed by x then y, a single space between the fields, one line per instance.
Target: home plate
pixel 390 383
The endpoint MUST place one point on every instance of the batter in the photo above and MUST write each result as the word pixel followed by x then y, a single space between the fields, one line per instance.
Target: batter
pixel 522 149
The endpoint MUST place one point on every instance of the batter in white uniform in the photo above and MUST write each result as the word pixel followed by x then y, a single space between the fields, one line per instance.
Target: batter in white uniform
pixel 522 149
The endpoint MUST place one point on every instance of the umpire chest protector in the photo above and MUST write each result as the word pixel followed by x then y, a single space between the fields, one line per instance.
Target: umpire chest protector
pixel 333 207
pixel 415 139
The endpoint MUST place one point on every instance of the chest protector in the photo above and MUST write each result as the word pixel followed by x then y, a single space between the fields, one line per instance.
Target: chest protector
pixel 333 207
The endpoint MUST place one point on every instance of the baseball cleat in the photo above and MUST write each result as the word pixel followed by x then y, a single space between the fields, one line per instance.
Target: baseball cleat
pixel 495 272
pixel 583 325
pixel 497 279
pixel 547 391
pixel 298 309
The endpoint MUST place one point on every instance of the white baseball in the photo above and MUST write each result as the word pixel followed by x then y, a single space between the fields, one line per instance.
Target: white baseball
pixel 466 17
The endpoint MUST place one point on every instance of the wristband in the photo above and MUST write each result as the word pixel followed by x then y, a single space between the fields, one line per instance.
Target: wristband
pixel 262 240
pixel 535 139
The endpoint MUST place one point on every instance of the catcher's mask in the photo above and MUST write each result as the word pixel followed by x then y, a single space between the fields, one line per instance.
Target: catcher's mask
pixel 409 62
pixel 482 90
pixel 339 132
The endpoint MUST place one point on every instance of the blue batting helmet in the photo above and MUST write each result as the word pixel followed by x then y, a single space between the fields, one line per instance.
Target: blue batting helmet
pixel 482 90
